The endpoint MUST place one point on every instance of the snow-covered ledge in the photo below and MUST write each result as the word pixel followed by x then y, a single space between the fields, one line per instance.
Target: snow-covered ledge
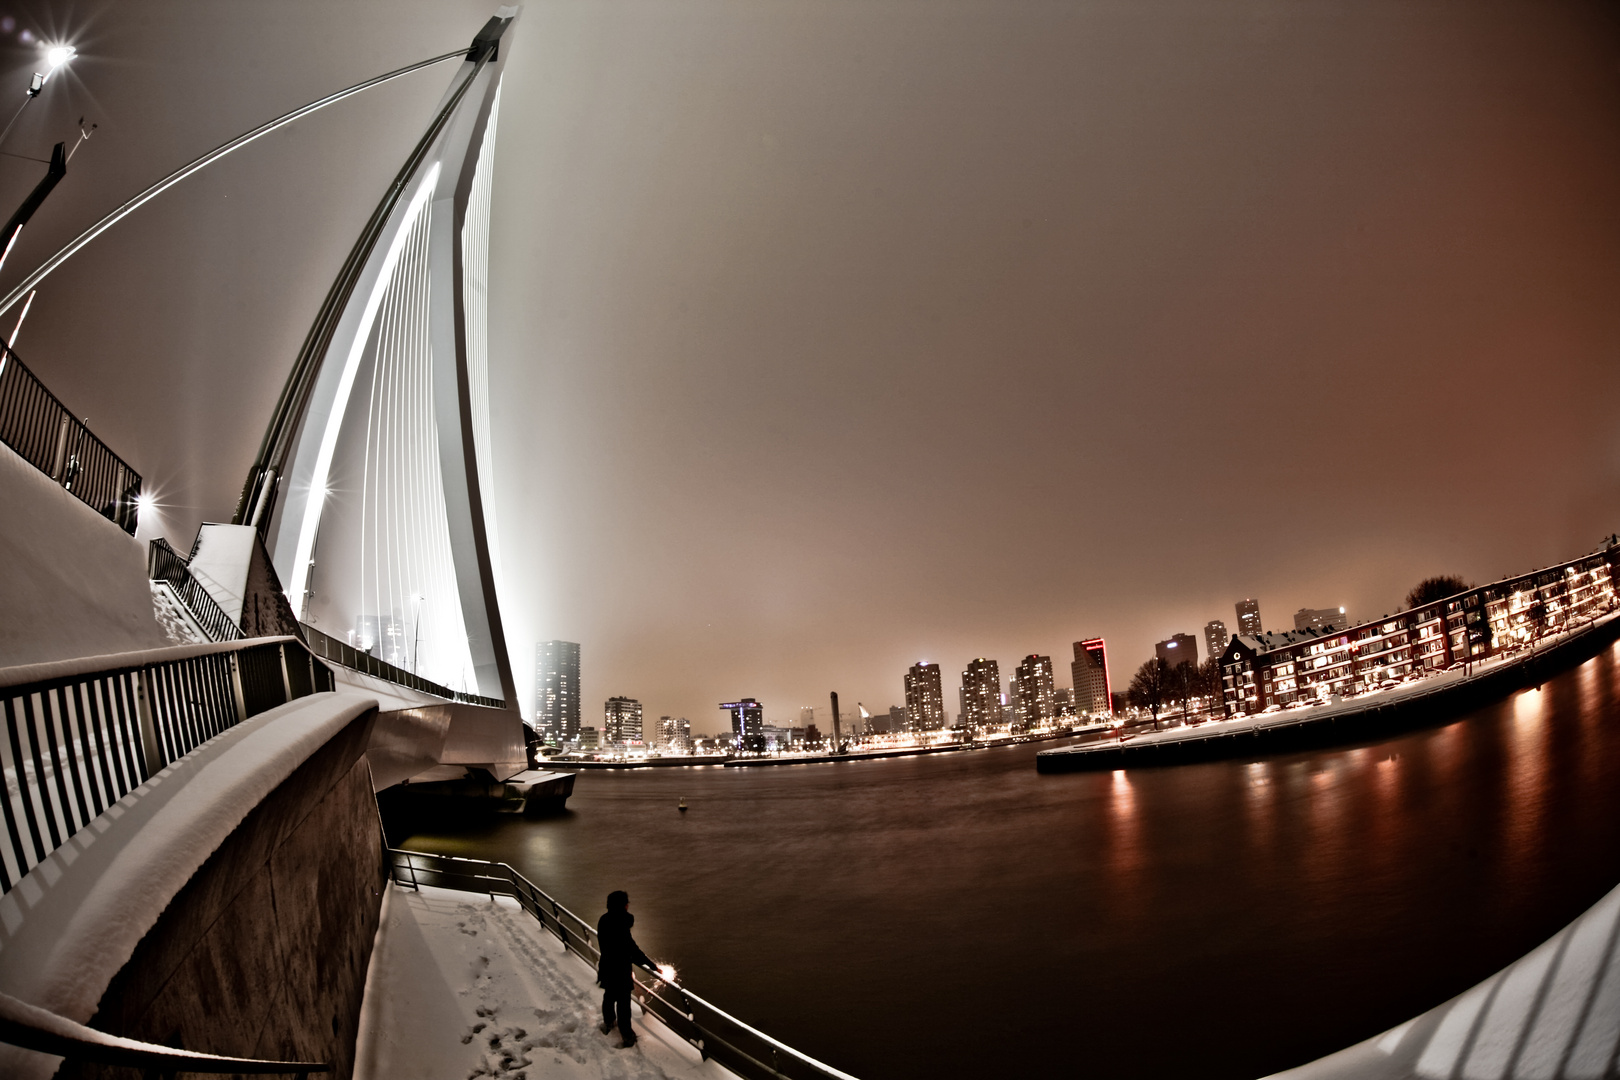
pixel 73 922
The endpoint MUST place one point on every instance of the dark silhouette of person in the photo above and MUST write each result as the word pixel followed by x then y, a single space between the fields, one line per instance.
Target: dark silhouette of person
pixel 619 950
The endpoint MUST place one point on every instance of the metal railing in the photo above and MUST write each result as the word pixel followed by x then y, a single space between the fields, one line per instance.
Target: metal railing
pixel 341 652
pixel 746 1051
pixel 165 564
pixel 33 1028
pixel 75 744
pixel 35 424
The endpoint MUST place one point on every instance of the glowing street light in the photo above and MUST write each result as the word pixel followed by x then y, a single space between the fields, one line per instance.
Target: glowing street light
pixel 56 57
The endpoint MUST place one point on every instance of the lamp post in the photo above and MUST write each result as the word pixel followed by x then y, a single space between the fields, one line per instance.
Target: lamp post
pixel 56 57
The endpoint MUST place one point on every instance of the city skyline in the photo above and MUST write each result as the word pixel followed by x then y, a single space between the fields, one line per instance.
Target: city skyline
pixel 820 344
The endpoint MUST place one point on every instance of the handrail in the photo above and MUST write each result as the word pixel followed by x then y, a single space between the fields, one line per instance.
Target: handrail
pixel 330 648
pixel 34 1028
pixel 44 433
pixel 165 564
pixel 74 742
pixel 715 1033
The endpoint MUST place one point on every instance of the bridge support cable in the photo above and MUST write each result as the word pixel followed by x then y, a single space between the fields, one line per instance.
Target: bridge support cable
pixel 203 162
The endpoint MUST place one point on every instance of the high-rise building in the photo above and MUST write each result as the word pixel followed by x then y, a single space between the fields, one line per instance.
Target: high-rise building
pixel 1033 691
pixel 556 690
pixel 747 724
pixel 1092 694
pixel 621 721
pixel 925 700
pixel 981 695
pixel 1248 613
pixel 674 734
pixel 1216 637
pixel 1327 618
pixel 1178 649
pixel 807 715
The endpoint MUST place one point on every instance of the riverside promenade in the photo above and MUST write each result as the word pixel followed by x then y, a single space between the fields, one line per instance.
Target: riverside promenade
pixel 1365 716
pixel 468 985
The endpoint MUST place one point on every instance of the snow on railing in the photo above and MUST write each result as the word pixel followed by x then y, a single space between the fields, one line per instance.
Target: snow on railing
pixel 165 564
pixel 33 1028
pixel 745 1050
pixel 75 742
pixel 35 423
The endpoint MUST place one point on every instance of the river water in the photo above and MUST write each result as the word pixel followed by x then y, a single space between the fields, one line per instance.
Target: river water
pixel 960 915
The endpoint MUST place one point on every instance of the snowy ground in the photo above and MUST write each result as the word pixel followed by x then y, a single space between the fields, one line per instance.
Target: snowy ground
pixel 461 986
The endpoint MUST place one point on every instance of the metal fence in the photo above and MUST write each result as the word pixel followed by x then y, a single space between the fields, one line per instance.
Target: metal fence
pixel 341 652
pixel 746 1051
pixel 73 746
pixel 165 564
pixel 35 424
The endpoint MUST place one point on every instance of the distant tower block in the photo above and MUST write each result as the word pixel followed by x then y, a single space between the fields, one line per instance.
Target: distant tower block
pixel 621 721
pixel 556 690
pixel 1033 692
pixel 925 700
pixel 747 724
pixel 1178 649
pixel 1092 693
pixel 1327 618
pixel 1216 638
pixel 981 695
pixel 1248 615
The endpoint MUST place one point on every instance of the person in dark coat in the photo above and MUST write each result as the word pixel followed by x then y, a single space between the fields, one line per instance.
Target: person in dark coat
pixel 619 950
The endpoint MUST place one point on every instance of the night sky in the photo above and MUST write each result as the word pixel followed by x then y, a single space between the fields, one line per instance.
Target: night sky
pixel 827 337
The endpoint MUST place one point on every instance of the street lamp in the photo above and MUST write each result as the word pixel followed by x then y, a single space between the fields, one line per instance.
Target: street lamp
pixel 57 56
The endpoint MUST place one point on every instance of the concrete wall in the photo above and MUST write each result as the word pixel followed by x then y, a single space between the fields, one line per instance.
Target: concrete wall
pixel 264 953
pixel 71 582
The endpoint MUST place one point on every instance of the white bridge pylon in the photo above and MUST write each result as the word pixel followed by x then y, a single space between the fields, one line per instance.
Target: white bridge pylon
pixel 375 489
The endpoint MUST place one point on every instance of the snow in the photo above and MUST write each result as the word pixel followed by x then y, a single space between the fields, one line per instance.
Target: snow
pixel 75 919
pixel 463 986
pixel 220 565
pixel 71 582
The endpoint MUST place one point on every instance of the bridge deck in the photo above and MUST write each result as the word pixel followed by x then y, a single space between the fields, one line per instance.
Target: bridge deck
pixel 462 985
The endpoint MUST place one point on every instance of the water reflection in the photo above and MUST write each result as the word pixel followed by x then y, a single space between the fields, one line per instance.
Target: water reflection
pixel 1224 920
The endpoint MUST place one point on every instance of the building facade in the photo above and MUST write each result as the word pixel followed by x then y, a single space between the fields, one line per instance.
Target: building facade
pixel 747 725
pixel 925 701
pixel 1216 637
pixel 1178 649
pixel 1033 699
pixel 981 695
pixel 1092 694
pixel 621 721
pixel 1326 618
pixel 1281 669
pixel 674 734
pixel 556 691
pixel 1248 615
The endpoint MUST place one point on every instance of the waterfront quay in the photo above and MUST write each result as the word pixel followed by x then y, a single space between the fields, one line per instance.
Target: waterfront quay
pixel 748 761
pixel 1424 699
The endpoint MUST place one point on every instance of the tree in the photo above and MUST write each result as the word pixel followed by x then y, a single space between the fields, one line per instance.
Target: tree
pixel 1431 589
pixel 1210 686
pixel 1151 687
